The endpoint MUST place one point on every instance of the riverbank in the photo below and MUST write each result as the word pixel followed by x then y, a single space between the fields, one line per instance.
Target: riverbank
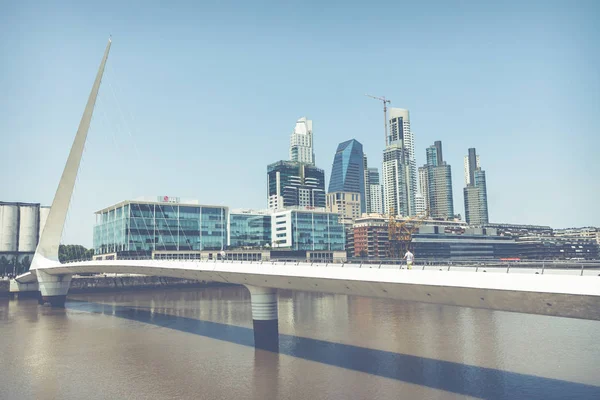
pixel 96 284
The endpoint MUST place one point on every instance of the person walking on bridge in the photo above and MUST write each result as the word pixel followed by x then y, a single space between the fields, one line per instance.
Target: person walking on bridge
pixel 409 259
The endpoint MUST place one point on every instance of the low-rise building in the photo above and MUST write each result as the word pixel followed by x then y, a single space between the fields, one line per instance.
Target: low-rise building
pixel 307 229
pixel 249 229
pixel 137 227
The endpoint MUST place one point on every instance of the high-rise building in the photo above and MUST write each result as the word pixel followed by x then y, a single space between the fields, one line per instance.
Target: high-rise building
pixel 475 192
pixel 301 142
pixel 399 166
pixel 347 171
pixel 420 204
pixel 367 198
pixel 436 183
pixel 375 192
pixel 471 164
pixel 291 183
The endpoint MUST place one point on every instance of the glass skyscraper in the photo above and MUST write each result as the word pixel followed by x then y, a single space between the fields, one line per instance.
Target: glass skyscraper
pixel 249 229
pixel 165 224
pixel 436 183
pixel 475 192
pixel 347 172
pixel 293 183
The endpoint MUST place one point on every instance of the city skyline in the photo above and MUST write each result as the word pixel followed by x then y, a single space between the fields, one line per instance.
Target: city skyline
pixel 191 145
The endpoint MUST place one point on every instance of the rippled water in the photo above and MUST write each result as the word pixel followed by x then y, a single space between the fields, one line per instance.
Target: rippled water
pixel 180 344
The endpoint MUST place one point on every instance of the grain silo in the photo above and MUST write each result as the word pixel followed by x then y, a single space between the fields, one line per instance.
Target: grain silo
pixel 29 216
pixel 9 227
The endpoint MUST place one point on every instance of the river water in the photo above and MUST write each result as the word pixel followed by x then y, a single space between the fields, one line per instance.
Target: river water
pixel 197 344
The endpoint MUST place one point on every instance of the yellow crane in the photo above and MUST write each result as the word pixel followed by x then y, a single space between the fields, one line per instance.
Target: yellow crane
pixel 400 233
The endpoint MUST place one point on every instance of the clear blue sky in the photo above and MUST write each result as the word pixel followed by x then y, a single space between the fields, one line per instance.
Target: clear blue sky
pixel 199 97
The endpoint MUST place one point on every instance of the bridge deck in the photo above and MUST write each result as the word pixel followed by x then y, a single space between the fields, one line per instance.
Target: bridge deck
pixel 556 292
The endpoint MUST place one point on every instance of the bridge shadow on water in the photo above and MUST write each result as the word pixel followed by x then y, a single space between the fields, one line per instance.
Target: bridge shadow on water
pixel 463 379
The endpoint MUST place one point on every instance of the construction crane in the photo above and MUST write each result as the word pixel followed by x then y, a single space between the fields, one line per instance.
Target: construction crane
pixel 385 103
pixel 400 233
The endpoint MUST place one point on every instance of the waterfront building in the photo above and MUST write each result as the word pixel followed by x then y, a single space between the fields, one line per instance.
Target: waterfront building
pixel 293 184
pixel 346 204
pixel 399 166
pixel 433 243
pixel 305 229
pixel 301 142
pixel 160 224
pixel 436 183
pixel 249 228
pixel 519 230
pixel 475 191
pixel 347 171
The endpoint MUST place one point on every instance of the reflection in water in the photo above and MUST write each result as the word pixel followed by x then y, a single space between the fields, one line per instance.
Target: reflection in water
pixel 330 347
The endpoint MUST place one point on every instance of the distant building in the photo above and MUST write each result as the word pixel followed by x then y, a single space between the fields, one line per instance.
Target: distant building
pixel 399 173
pixel 475 191
pixel 367 182
pixel 588 232
pixel 161 224
pixel 21 225
pixel 249 228
pixel 301 142
pixel 436 184
pixel 519 230
pixel 293 184
pixel 347 171
pixel 420 204
pixel 346 204
pixel 557 248
pixel 313 230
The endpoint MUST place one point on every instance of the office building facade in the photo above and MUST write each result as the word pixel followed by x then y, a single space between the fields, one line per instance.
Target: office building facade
pixel 164 224
pixel 301 142
pixel 294 184
pixel 346 204
pixel 249 228
pixel 347 171
pixel 310 230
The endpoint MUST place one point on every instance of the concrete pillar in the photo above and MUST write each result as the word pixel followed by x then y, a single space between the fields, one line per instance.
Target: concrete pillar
pixel 53 288
pixel 264 316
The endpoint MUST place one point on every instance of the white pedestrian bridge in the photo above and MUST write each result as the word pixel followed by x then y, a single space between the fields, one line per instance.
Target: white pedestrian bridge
pixel 530 288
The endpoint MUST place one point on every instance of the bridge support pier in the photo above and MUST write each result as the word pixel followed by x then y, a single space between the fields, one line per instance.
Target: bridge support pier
pixel 53 288
pixel 264 316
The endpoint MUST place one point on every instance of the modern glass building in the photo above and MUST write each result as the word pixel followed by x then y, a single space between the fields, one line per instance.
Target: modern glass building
pixel 163 224
pixel 292 184
pixel 347 171
pixel 307 230
pixel 249 228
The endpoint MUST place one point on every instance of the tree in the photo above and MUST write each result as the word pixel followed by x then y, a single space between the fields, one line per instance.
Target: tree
pixel 73 252
pixel 4 266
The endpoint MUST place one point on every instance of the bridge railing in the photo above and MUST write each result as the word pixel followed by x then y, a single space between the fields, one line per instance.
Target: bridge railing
pixel 583 267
